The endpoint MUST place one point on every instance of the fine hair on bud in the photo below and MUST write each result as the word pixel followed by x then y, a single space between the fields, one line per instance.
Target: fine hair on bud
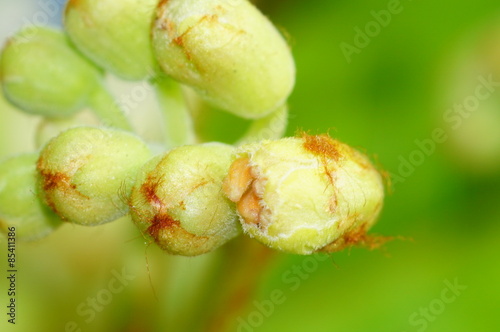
pixel 42 74
pixel 115 34
pixel 305 194
pixel 85 172
pixel 178 201
pixel 228 51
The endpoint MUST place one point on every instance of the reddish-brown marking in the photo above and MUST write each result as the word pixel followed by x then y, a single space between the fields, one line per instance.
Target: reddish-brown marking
pixel 149 188
pixel 357 237
pixel 169 234
pixel 179 41
pixel 322 145
pixel 159 13
pixel 52 181
pixel 162 221
pixel 56 181
pixel 201 184
pixel 163 3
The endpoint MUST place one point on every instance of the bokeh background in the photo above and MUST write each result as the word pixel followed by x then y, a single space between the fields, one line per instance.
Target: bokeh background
pixel 386 98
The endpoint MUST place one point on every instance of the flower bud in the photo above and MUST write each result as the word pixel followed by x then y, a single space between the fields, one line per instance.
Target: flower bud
pixel 87 173
pixel 114 34
pixel 42 74
pixel 20 206
pixel 228 51
pixel 178 200
pixel 302 195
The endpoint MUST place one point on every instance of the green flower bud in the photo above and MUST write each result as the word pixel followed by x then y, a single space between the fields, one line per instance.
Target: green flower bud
pixel 178 200
pixel 87 173
pixel 42 74
pixel 228 51
pixel 114 34
pixel 20 206
pixel 302 195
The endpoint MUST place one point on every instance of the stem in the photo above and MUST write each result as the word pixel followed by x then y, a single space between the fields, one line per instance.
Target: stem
pixel 177 119
pixel 106 109
pixel 186 286
pixel 272 126
pixel 239 276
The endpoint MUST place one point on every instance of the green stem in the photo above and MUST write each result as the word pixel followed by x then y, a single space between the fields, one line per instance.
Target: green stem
pixel 272 126
pixel 186 287
pixel 106 109
pixel 177 119
pixel 231 291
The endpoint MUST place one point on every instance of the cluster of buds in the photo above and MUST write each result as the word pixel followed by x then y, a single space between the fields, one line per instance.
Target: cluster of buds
pixel 300 195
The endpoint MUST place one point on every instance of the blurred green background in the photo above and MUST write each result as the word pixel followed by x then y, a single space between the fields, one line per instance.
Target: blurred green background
pixel 392 93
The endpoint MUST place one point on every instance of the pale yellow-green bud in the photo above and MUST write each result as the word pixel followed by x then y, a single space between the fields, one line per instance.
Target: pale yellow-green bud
pixel 228 51
pixel 178 200
pixel 306 194
pixel 115 34
pixel 43 75
pixel 87 173
pixel 20 206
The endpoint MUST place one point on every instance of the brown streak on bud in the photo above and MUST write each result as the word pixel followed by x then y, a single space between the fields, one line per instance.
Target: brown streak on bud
pixel 179 40
pixel 201 184
pixel 357 237
pixel 148 189
pixel 325 148
pixel 163 228
pixel 166 230
pixel 322 145
pixel 160 222
pixel 163 3
pixel 52 181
